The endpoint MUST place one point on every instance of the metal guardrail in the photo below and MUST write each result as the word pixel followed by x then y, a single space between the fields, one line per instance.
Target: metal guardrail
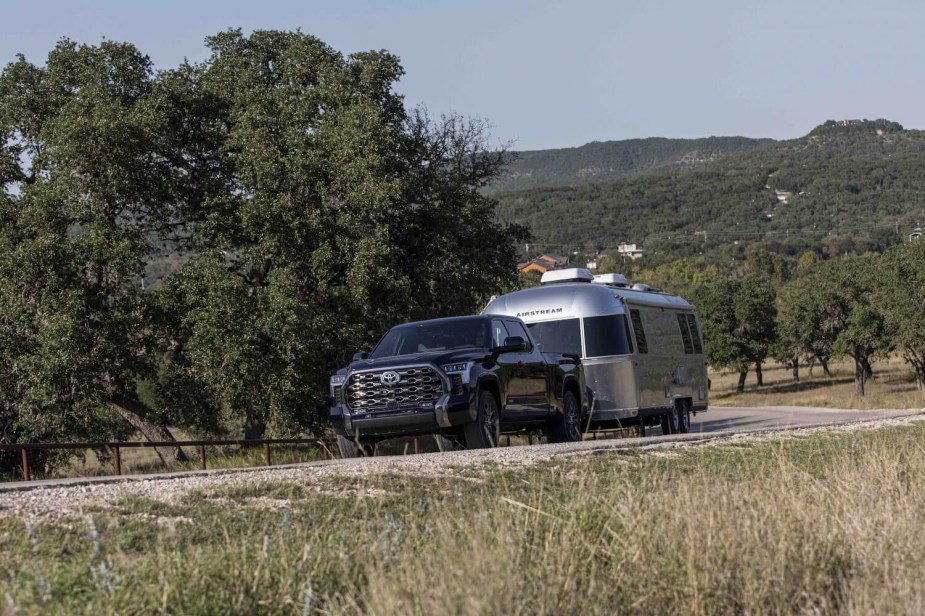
pixel 117 446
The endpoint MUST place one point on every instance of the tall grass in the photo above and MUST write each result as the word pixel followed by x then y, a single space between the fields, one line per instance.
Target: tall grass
pixel 826 524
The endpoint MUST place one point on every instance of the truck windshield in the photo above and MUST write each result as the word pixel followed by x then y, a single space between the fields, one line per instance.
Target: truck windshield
pixel 424 337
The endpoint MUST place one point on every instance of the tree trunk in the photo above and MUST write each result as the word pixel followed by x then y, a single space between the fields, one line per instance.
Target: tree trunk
pixel 132 411
pixel 795 366
pixel 825 367
pixel 919 370
pixel 860 376
pixel 868 369
pixel 740 388
pixel 812 364
pixel 759 374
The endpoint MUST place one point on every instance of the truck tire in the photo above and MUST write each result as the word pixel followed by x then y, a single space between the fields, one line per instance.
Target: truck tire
pixel 349 449
pixel 684 417
pixel 485 431
pixel 567 426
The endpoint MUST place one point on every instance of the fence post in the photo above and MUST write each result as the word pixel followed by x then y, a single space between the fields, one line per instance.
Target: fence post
pixel 118 456
pixel 202 457
pixel 266 453
pixel 25 465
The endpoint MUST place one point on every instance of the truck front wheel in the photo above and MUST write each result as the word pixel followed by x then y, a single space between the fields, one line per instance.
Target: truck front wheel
pixel 485 431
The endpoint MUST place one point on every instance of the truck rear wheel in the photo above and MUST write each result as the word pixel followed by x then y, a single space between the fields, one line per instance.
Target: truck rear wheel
pixel 485 431
pixel 567 426
pixel 349 448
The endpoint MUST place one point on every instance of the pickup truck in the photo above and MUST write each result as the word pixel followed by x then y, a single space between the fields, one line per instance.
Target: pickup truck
pixel 463 379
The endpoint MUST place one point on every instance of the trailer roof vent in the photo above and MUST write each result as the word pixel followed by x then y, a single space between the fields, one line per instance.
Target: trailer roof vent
pixel 575 274
pixel 611 280
pixel 641 287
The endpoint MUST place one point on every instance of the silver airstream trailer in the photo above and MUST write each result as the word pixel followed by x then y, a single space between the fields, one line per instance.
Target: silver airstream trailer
pixel 641 349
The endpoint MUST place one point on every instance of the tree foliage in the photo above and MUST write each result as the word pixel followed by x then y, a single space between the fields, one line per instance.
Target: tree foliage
pixel 92 175
pixel 901 295
pixel 312 208
pixel 853 179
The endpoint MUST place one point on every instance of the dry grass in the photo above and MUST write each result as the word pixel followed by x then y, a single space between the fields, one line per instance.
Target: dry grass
pixel 891 387
pixel 825 524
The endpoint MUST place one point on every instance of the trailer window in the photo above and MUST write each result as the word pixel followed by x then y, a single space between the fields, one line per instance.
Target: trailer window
pixel 685 335
pixel 641 343
pixel 606 335
pixel 695 334
pixel 558 336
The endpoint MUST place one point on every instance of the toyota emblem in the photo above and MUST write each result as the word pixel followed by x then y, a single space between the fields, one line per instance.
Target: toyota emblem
pixel 390 378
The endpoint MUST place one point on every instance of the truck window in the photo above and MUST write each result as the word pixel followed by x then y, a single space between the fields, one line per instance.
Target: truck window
pixel 498 333
pixel 695 334
pixel 558 336
pixel 516 329
pixel 685 334
pixel 606 335
pixel 641 343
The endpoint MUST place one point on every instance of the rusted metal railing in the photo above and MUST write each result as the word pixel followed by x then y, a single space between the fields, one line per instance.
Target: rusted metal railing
pixel 117 446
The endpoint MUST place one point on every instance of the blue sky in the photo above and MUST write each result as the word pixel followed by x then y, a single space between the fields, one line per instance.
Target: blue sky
pixel 550 74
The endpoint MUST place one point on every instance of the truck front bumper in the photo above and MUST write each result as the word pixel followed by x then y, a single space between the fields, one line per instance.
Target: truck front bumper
pixel 449 413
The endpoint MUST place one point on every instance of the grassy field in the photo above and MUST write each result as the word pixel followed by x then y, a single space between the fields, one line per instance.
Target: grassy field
pixel 891 387
pixel 827 523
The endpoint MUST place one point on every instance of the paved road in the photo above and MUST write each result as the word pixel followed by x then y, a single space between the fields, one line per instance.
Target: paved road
pixel 754 418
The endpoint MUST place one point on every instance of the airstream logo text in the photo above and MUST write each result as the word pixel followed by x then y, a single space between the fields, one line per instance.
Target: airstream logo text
pixel 536 313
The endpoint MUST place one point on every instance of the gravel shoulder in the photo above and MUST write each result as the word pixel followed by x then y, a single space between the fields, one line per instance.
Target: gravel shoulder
pixel 60 499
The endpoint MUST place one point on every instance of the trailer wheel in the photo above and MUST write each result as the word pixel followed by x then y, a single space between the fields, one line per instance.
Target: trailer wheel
pixel 485 431
pixel 567 426
pixel 349 448
pixel 684 417
pixel 670 421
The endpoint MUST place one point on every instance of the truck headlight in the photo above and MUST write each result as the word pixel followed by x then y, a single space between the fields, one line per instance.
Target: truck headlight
pixel 462 369
pixel 337 383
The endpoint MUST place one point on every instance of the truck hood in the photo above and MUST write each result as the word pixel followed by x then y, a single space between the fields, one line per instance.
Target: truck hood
pixel 439 358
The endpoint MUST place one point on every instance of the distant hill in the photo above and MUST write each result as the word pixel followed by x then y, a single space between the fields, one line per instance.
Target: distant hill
pixel 601 161
pixel 860 179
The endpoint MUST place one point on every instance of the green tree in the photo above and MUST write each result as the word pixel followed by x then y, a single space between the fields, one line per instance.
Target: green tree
pixel 313 211
pixel 738 319
pixel 338 214
pixel 862 332
pixel 91 181
pixel 831 311
pixel 756 312
pixel 901 293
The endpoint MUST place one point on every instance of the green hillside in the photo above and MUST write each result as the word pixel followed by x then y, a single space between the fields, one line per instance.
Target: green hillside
pixel 601 161
pixel 848 187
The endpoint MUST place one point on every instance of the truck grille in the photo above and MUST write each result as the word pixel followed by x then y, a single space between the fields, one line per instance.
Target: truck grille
pixel 417 387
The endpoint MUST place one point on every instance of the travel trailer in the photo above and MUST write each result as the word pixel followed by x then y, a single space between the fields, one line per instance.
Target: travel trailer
pixel 641 349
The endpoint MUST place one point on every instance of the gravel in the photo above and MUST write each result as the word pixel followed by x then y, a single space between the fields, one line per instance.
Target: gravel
pixel 58 499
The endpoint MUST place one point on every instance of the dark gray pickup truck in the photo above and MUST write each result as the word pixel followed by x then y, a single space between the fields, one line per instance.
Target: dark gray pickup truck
pixel 462 379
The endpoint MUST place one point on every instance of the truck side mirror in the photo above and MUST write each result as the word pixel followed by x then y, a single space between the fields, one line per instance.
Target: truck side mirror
pixel 512 344
pixel 360 356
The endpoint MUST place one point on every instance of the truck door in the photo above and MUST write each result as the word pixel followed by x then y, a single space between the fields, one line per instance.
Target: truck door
pixel 531 373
